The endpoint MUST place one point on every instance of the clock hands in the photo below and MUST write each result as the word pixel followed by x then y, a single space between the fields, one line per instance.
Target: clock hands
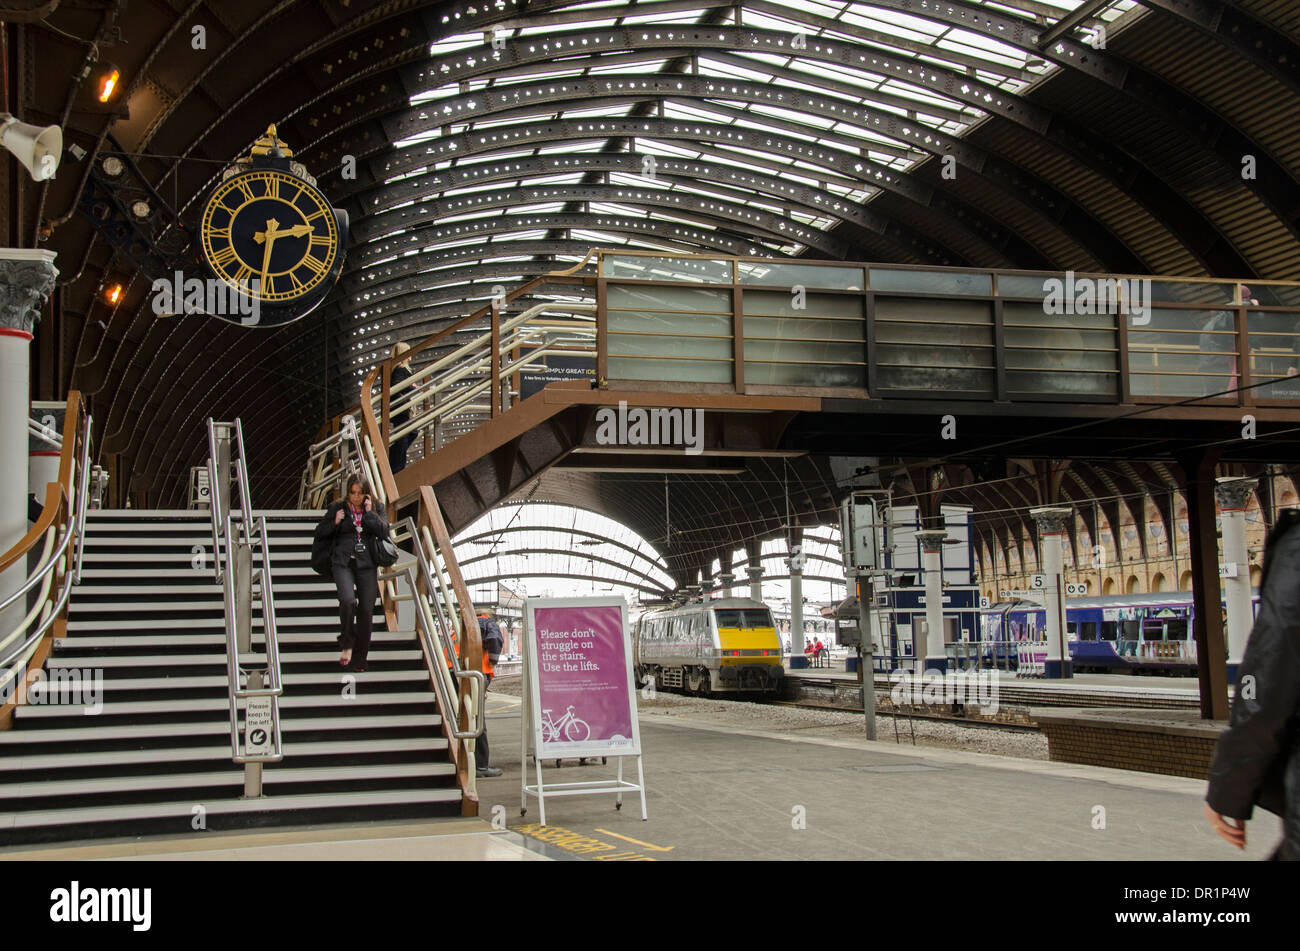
pixel 268 237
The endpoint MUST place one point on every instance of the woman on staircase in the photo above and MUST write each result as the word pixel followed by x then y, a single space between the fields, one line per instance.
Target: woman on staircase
pixel 356 525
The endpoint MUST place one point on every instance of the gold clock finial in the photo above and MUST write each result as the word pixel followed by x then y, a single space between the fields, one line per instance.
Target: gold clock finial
pixel 269 142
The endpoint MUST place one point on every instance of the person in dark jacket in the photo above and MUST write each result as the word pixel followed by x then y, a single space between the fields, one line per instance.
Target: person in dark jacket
pixel 1257 760
pixel 355 524
pixel 398 447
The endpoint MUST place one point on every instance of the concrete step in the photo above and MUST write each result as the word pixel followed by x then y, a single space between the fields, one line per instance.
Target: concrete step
pixel 164 682
pixel 208 704
pixel 172 661
pixel 273 774
pixel 325 636
pixel 356 802
pixel 110 759
pixel 32 735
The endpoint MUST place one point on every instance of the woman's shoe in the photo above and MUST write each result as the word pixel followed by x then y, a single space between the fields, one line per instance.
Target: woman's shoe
pixel 346 659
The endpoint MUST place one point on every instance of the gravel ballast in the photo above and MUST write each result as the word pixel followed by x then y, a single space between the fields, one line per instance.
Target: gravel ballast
pixel 830 723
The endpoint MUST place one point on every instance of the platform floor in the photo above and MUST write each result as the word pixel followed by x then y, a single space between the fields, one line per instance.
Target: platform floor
pixel 718 791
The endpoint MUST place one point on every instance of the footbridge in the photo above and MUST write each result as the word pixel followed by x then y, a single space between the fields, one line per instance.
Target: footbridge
pixel 791 358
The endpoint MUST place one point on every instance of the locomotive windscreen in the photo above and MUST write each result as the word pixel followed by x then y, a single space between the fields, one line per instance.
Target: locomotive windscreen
pixel 744 617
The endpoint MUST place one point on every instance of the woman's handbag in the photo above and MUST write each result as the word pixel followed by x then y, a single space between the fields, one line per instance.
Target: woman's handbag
pixel 385 553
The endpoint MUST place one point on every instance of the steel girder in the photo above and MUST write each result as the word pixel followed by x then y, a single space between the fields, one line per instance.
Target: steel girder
pixel 692 207
pixel 662 231
pixel 1145 187
pixel 1240 32
pixel 834 108
pixel 788 194
pixel 1276 187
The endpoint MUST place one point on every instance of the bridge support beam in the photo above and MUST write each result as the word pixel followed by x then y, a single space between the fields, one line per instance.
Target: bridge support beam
pixel 932 656
pixel 1233 495
pixel 1212 672
pixel 1051 532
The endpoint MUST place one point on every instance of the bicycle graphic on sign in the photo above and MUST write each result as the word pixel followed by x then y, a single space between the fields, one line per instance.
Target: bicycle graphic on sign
pixel 575 730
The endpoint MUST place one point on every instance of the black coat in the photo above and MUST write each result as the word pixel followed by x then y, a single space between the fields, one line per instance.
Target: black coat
pixel 1257 760
pixel 373 527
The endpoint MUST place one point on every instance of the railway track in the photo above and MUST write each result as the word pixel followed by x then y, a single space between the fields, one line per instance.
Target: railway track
pixel 959 721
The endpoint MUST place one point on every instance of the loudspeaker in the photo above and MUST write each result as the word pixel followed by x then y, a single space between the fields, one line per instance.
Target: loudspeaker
pixel 39 149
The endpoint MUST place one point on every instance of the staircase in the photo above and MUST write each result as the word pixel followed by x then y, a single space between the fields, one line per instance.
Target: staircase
pixel 156 760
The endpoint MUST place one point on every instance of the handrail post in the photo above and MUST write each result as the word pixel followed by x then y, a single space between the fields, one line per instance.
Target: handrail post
pixel 494 365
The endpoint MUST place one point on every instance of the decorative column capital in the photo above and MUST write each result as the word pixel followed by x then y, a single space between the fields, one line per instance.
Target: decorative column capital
pixel 931 540
pixel 725 578
pixel 1233 492
pixel 26 282
pixel 1051 521
pixel 755 572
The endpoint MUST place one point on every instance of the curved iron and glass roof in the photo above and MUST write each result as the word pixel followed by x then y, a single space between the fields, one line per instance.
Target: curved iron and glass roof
pixel 479 143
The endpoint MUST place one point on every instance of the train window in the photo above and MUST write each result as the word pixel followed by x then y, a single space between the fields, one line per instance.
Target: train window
pixel 1109 630
pixel 1088 630
pixel 744 617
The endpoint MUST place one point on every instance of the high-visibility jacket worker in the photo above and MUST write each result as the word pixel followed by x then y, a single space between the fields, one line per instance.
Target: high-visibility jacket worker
pixel 490 633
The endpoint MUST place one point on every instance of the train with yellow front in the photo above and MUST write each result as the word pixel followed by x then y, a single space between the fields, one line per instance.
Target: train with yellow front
pixel 727 645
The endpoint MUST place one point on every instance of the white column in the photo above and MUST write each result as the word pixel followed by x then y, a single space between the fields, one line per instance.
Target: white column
pixel 1051 530
pixel 1233 494
pixel 26 280
pixel 796 562
pixel 725 581
pixel 755 582
pixel 932 656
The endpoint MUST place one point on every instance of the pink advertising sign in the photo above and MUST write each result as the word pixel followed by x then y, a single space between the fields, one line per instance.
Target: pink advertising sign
pixel 580 667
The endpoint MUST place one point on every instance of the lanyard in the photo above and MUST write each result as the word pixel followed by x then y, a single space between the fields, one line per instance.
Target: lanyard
pixel 356 522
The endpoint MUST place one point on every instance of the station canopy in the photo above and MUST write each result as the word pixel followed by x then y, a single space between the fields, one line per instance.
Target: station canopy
pixel 482 143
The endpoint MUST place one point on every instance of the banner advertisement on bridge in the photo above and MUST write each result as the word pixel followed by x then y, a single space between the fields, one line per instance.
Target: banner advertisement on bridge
pixel 580 667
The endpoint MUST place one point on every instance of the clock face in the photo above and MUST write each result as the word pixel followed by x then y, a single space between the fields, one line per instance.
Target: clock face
pixel 270 235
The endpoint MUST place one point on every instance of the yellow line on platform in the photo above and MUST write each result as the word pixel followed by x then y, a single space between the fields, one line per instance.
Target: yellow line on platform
pixel 644 845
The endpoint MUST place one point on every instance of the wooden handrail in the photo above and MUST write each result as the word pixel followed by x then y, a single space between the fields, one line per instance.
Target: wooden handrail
pixel 71 424
pixel 430 515
pixel 330 426
pixel 58 499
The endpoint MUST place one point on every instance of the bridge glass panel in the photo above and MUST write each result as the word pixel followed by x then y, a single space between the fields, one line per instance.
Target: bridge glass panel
pixel 805 275
pixel 1183 353
pixel 1060 355
pixel 821 344
pixel 933 347
pixel 932 282
pixel 637 267
pixel 669 333
pixel 1274 354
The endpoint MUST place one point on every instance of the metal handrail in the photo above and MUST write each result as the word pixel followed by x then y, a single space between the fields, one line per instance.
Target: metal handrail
pixel 245 492
pixel 61 527
pixel 215 495
pixel 40 431
pixel 471 358
pixel 83 500
pixel 233 668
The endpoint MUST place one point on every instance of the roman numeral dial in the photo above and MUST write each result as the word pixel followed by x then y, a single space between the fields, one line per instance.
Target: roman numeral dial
pixel 271 236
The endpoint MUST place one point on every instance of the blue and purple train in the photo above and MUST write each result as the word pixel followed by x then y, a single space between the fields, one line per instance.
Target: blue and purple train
pixel 1140 633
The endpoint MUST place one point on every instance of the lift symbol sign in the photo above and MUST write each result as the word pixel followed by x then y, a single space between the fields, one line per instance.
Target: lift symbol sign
pixel 257 727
